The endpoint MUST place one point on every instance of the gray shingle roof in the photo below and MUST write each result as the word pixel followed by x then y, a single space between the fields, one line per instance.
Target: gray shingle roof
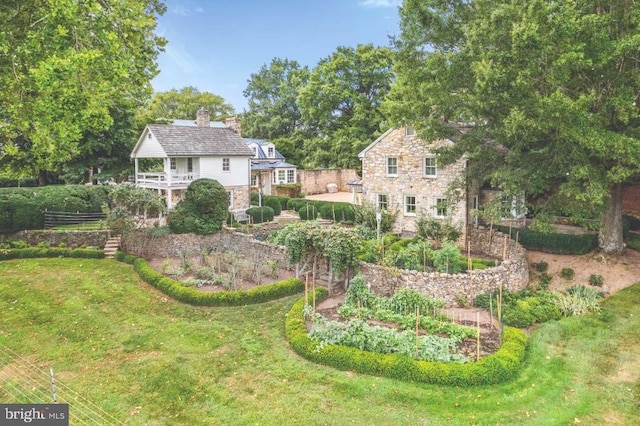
pixel 192 123
pixel 187 141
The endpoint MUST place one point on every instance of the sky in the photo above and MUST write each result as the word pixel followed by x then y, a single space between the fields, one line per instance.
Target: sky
pixel 215 45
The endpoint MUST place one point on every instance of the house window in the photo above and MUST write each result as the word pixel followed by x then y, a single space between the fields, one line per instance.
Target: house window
pixel 409 205
pixel 230 193
pixel 392 166
pixel 291 176
pixel 430 168
pixel 189 165
pixel 270 152
pixel 409 131
pixel 173 165
pixel 226 165
pixel 383 202
pixel 281 176
pixel 148 135
pixel 441 207
pixel 254 179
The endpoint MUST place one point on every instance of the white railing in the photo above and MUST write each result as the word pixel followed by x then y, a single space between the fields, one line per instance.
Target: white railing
pixel 162 180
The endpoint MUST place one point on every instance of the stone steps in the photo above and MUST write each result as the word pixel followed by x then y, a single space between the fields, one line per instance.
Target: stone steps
pixel 112 246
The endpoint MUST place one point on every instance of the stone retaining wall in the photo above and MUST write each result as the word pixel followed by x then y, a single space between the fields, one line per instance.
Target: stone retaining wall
pixel 316 181
pixel 69 238
pixel 512 273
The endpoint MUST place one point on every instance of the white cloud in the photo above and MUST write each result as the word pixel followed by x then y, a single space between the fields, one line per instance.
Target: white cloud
pixel 380 3
pixel 180 9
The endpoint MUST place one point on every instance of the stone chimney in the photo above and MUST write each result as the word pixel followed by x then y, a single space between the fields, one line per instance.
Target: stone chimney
pixel 234 124
pixel 203 119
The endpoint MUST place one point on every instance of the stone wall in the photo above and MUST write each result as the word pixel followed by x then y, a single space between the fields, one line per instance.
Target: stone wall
pixel 69 238
pixel 316 181
pixel 512 273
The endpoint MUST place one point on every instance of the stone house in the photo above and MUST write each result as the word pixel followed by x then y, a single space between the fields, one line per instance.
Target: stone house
pixel 400 173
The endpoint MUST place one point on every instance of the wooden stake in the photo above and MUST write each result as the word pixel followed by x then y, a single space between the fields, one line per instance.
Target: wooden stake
pixel 313 291
pixel 478 338
pixel 306 289
pixel 491 311
pixel 417 324
pixel 504 248
pixel 469 262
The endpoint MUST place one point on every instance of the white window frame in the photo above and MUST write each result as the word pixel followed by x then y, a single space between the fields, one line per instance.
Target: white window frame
pixel 389 166
pixel 440 212
pixel 291 176
pixel 410 209
pixel 189 165
pixel 280 177
pixel 226 164
pixel 173 164
pixel 427 169
pixel 383 202
pixel 271 152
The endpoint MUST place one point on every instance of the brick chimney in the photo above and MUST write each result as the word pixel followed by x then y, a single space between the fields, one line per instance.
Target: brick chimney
pixel 203 119
pixel 234 124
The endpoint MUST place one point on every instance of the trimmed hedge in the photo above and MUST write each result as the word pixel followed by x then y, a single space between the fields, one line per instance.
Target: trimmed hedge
pixel 23 208
pixel 338 212
pixel 294 204
pixel 552 242
pixel 260 214
pixel 274 203
pixel 176 290
pixel 308 212
pixel 499 367
pixel 34 252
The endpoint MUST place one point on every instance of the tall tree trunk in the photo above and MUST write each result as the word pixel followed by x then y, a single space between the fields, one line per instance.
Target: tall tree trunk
pixel 42 178
pixel 610 238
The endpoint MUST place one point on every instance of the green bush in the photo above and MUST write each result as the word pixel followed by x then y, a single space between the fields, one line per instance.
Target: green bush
pixel 338 212
pixel 274 203
pixel 596 280
pixel 552 242
pixel 499 367
pixel 567 273
pixel 192 296
pixel 203 210
pixel 23 208
pixel 294 204
pixel 308 212
pixel 523 308
pixel 254 198
pixel 541 266
pixel 34 252
pixel 261 214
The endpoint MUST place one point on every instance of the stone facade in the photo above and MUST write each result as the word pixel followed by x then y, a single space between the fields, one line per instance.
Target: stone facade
pixel 316 181
pixel 403 169
pixel 240 197
pixel 512 273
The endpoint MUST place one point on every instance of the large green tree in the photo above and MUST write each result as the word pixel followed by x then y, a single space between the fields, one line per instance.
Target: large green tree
pixel 542 94
pixel 65 66
pixel 184 104
pixel 341 103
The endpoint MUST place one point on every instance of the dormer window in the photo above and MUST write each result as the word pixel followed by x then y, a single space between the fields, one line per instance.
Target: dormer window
pixel 270 152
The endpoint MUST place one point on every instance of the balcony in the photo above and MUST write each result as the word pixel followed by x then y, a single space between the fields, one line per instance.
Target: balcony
pixel 164 180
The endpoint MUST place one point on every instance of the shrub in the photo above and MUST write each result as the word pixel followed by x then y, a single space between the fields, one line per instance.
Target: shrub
pixel 260 214
pixel 545 280
pixel 541 266
pixel 552 242
pixel 178 291
pixel 447 259
pixel 34 252
pixel 338 212
pixel 308 212
pixel 578 300
pixel 203 210
pixel 274 203
pixel 295 203
pixel 254 198
pixel 567 273
pixel 437 229
pixel 596 280
pixel 366 215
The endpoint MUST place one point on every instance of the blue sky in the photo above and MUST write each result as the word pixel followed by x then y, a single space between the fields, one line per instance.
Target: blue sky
pixel 215 45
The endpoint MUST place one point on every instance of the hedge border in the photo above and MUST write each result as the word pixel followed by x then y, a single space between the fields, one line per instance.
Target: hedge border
pixel 36 252
pixel 552 242
pixel 176 290
pixel 501 366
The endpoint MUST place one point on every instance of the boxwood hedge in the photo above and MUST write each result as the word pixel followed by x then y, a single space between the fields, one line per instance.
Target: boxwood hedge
pixel 552 242
pixel 178 291
pixel 33 252
pixel 501 366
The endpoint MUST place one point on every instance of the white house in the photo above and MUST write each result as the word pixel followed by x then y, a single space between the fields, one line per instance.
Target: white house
pixel 268 166
pixel 185 151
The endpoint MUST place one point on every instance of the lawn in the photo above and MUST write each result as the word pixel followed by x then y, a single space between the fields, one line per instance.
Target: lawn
pixel 148 360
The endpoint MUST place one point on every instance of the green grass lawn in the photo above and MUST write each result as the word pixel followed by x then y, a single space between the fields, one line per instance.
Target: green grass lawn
pixel 148 360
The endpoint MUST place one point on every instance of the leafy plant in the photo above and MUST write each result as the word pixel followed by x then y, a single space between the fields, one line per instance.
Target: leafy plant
pixel 541 266
pixel 567 273
pixel 578 300
pixel 447 259
pixel 544 280
pixel 596 280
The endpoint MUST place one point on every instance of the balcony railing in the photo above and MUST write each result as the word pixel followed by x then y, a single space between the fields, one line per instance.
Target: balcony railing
pixel 163 180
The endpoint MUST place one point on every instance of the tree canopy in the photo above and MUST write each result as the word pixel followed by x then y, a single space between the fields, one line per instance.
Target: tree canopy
pixel 184 104
pixel 65 67
pixel 543 95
